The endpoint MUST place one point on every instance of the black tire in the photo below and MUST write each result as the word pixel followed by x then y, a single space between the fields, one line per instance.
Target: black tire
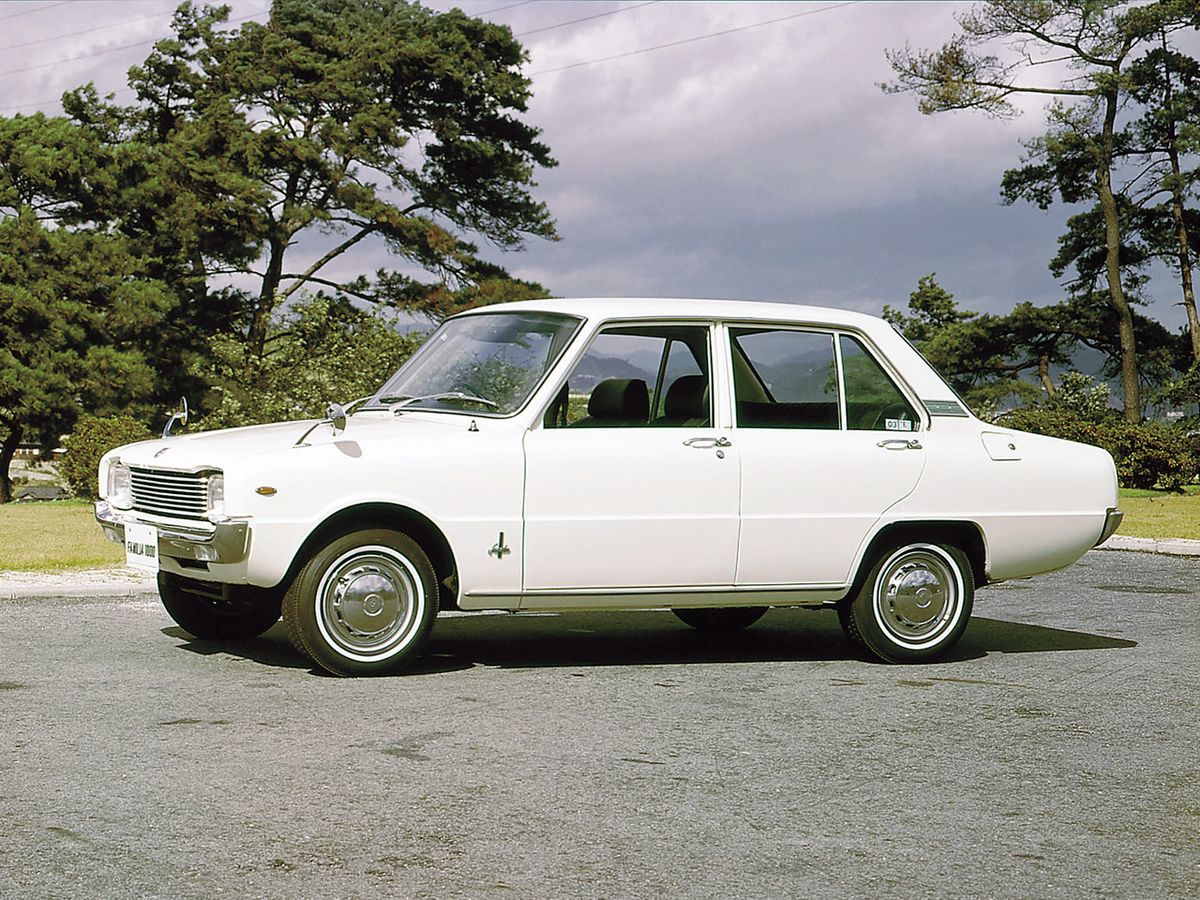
pixel 914 603
pixel 364 604
pixel 727 618
pixel 204 610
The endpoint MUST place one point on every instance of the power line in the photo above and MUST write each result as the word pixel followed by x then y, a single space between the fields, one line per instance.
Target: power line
pixel 488 12
pixel 71 34
pixel 26 12
pixel 94 53
pixel 699 37
pixel 611 12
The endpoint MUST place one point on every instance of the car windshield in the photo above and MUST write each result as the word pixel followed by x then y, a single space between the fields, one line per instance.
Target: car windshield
pixel 483 363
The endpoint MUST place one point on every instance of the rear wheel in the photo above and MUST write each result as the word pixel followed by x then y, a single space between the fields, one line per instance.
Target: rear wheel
pixel 914 603
pixel 731 618
pixel 364 604
pixel 215 611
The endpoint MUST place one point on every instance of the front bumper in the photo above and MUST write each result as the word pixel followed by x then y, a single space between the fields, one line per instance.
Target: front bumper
pixel 226 543
pixel 1112 521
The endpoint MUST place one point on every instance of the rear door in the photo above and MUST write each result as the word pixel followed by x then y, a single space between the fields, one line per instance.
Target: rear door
pixel 827 441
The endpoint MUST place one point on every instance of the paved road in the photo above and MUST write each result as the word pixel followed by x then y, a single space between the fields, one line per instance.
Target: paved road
pixel 615 755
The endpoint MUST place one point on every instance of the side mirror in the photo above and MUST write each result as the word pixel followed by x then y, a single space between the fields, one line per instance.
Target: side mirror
pixel 181 417
pixel 336 414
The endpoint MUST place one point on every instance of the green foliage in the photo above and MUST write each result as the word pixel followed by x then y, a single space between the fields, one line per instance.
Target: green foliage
pixel 323 349
pixel 986 357
pixel 121 225
pixel 75 306
pixel 981 355
pixel 1183 390
pixel 384 121
pixel 1148 454
pixel 1079 395
pixel 1078 159
pixel 92 437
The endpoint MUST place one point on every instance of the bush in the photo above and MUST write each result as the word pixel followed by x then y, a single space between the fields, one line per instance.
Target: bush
pixel 1148 455
pixel 92 438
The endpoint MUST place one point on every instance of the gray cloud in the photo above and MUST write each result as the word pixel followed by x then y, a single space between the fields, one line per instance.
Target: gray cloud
pixel 762 164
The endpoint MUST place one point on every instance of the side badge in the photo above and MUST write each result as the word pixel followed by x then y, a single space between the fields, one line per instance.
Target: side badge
pixel 500 550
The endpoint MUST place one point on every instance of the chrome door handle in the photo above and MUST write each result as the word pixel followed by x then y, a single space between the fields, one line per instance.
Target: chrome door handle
pixel 900 444
pixel 707 443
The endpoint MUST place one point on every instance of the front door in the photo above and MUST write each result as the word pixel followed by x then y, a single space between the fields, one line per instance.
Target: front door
pixel 628 483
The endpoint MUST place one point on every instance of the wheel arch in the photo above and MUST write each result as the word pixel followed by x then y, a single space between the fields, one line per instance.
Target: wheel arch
pixel 965 535
pixel 392 516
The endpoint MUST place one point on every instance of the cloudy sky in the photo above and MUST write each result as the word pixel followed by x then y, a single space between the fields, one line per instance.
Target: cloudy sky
pixel 705 149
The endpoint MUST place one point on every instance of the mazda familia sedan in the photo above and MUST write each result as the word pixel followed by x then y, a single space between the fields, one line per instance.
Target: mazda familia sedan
pixel 714 458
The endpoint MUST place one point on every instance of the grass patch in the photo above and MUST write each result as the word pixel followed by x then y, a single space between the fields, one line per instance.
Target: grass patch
pixel 1158 514
pixel 54 537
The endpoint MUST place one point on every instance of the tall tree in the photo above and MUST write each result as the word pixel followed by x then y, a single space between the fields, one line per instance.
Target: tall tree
pixel 73 308
pixel 340 121
pixel 1096 39
pixel 1167 84
pixel 337 123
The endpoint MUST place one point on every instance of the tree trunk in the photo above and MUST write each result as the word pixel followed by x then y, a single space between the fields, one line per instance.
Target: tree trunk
pixel 1044 375
pixel 7 450
pixel 1185 263
pixel 1131 394
pixel 261 320
pixel 1181 232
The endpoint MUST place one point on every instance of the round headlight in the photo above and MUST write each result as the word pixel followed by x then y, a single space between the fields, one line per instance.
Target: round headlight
pixel 216 495
pixel 119 489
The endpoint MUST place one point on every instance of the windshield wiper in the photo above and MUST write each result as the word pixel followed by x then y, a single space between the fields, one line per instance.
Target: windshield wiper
pixel 400 401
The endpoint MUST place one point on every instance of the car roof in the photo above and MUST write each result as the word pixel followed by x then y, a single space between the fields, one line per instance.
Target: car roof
pixel 677 307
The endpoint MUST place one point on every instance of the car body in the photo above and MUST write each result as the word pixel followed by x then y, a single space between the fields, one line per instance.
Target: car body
pixel 711 457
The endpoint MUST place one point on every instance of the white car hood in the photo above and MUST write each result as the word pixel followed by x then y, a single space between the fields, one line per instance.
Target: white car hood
pixel 221 449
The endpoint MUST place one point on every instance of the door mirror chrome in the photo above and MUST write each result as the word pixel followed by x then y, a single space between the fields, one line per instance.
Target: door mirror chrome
pixel 336 414
pixel 181 417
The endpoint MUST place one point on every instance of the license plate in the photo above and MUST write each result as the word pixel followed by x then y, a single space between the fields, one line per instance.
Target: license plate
pixel 141 546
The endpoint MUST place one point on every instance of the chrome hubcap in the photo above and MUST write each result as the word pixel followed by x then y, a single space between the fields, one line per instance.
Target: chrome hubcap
pixel 917 595
pixel 370 603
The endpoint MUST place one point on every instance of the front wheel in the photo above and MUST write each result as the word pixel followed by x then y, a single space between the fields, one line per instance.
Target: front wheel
pixel 914 603
pixel 730 618
pixel 364 604
pixel 218 612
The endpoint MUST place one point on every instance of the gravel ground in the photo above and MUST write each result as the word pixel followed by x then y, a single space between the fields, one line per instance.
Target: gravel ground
pixel 613 755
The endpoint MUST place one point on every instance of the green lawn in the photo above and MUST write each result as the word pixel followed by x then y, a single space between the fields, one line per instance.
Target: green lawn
pixel 53 537
pixel 1156 514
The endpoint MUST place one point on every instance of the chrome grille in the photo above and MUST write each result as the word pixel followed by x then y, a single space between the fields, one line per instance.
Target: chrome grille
pixel 182 495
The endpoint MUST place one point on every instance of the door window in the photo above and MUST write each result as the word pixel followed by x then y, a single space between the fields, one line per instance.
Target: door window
pixel 784 379
pixel 873 402
pixel 637 377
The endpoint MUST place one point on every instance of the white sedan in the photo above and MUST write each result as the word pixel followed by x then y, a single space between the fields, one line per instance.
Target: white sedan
pixel 715 458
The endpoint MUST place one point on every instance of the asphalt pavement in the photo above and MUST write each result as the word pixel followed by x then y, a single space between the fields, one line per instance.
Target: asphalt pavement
pixel 613 754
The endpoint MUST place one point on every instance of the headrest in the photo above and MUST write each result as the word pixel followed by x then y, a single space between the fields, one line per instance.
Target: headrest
pixel 626 399
pixel 686 398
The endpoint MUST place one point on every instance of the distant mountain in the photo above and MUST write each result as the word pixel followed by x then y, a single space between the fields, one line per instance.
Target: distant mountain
pixel 594 369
